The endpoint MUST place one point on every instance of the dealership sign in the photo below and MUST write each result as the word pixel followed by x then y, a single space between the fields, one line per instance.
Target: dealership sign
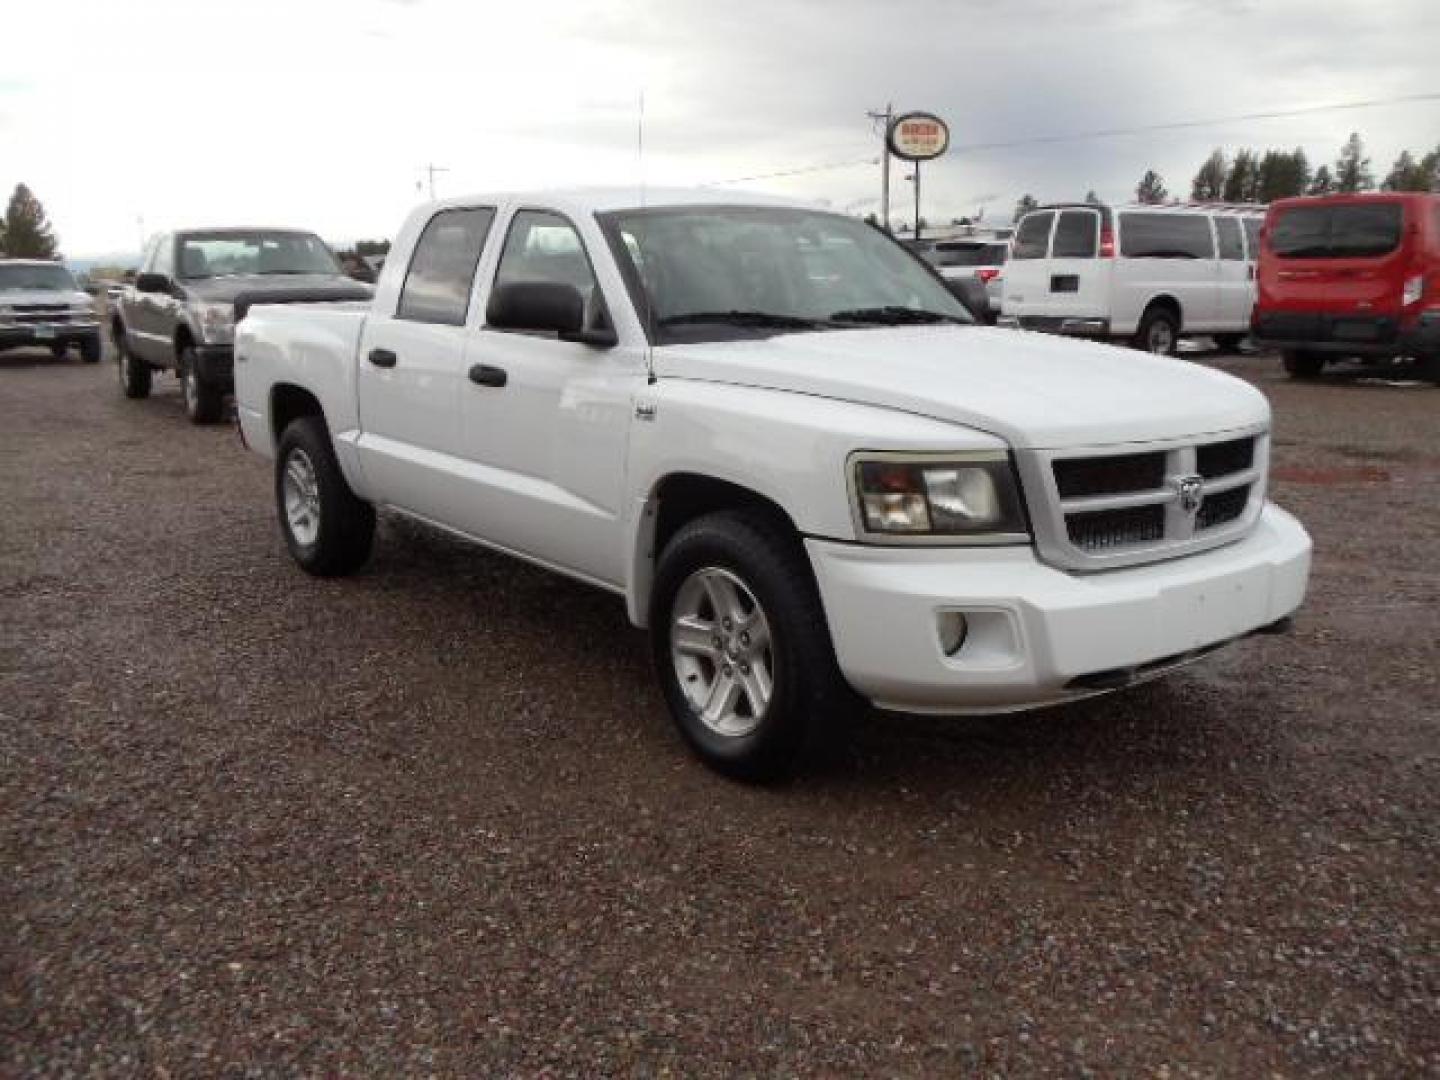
pixel 918 136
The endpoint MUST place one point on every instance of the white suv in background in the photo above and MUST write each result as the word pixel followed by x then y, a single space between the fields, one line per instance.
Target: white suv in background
pixel 1142 274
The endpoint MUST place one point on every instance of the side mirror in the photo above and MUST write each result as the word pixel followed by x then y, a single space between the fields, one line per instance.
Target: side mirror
pixel 545 306
pixel 152 283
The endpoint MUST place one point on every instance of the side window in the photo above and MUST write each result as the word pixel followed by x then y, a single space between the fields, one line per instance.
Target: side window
pixel 437 285
pixel 1032 238
pixel 544 246
pixel 1228 229
pixel 1252 236
pixel 1076 235
pixel 1166 236
pixel 165 256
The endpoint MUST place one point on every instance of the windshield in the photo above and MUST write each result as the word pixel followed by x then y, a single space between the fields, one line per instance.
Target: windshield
pixel 205 255
pixel 51 277
pixel 721 272
pixel 1351 230
pixel 968 254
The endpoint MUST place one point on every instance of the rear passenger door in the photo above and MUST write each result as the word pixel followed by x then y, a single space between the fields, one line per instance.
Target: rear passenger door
pixel 411 370
pixel 1027 274
pixel 1076 283
pixel 1234 284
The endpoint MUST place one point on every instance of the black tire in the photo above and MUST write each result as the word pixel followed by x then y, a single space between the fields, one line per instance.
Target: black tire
pixel 1303 365
pixel 204 401
pixel 1158 332
pixel 135 374
pixel 345 523
pixel 59 350
pixel 808 696
pixel 90 349
pixel 1228 342
pixel 1428 368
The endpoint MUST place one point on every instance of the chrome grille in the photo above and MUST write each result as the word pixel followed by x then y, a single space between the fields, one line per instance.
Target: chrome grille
pixel 1104 507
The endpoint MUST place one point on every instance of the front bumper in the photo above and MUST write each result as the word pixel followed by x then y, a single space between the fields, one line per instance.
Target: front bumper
pixel 1039 636
pixel 17 335
pixel 215 365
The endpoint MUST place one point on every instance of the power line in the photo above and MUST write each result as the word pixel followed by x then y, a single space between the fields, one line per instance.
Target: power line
pixel 1041 140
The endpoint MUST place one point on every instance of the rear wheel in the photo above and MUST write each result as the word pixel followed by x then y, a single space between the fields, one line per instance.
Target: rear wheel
pixel 1159 331
pixel 1302 365
pixel 741 646
pixel 328 529
pixel 135 374
pixel 204 401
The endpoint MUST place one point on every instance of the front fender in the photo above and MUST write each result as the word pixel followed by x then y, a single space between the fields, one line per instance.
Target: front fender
pixel 788 448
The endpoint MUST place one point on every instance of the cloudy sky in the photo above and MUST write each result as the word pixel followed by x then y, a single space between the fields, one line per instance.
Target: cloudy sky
pixel 131 114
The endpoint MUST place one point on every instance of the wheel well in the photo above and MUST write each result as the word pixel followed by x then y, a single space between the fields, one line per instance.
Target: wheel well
pixel 1167 303
pixel 287 404
pixel 683 497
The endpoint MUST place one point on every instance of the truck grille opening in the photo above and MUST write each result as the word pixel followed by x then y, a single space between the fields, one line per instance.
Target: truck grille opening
pixel 1138 506
pixel 1104 530
pixel 1078 478
pixel 1222 508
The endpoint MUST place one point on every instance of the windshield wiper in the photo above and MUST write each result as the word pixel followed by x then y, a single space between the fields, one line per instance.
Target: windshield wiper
pixel 768 319
pixel 895 315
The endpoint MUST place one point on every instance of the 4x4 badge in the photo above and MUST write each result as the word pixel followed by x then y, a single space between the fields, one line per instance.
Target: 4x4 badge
pixel 1192 492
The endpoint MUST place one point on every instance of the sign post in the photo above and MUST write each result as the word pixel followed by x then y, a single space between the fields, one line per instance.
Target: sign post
pixel 917 137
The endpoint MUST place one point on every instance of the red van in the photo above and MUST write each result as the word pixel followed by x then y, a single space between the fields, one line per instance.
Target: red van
pixel 1350 276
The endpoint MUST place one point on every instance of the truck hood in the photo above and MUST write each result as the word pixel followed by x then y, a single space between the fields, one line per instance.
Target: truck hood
pixel 17 297
pixel 1033 390
pixel 257 285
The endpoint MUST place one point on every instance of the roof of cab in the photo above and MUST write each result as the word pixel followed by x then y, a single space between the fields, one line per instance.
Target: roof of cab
pixel 601 199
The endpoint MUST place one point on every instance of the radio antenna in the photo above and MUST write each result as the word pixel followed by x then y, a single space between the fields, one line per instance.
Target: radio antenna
pixel 644 287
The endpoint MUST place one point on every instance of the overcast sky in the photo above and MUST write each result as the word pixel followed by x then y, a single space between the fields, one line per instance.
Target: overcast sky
pixel 322 113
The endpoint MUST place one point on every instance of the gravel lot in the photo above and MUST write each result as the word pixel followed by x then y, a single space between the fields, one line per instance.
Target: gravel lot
pixel 433 819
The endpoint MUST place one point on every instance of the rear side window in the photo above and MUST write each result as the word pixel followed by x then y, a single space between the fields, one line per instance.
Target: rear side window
pixel 1076 235
pixel 1252 237
pixel 968 253
pixel 1228 230
pixel 1166 236
pixel 437 286
pixel 1032 238
pixel 1352 230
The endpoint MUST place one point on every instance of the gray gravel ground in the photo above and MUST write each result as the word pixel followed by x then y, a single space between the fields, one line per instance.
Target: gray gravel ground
pixel 432 819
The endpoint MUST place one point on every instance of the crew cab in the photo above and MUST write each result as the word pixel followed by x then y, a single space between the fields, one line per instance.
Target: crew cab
pixel 776 434
pixel 180 313
pixel 1351 276
pixel 41 304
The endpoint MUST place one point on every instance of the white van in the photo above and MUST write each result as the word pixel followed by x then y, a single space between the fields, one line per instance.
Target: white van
pixel 1141 274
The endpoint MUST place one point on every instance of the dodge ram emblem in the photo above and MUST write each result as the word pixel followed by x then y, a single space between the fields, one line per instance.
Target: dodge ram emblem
pixel 1192 492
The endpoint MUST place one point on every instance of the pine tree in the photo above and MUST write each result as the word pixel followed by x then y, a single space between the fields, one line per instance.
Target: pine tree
pixel 1352 167
pixel 1430 168
pixel 1092 198
pixel 27 231
pixel 1407 174
pixel 1323 183
pixel 1299 172
pixel 1025 205
pixel 1209 182
pixel 1242 183
pixel 1151 189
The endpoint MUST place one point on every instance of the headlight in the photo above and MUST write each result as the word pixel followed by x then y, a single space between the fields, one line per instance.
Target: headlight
pixel 82 307
pixel 965 498
pixel 217 321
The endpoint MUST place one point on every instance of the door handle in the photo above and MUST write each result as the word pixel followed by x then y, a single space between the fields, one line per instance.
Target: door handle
pixel 382 358
pixel 485 375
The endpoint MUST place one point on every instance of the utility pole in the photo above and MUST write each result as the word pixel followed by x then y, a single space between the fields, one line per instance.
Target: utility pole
pixel 430 171
pixel 888 116
pixel 915 178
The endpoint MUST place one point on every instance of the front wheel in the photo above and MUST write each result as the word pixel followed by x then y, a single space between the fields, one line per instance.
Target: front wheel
pixel 204 401
pixel 90 349
pixel 741 646
pixel 328 529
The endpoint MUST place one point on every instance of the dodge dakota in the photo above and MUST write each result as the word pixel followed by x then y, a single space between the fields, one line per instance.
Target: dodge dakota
pixel 778 436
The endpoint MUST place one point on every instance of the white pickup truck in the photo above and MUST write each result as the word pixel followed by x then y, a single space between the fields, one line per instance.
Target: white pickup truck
pixel 777 435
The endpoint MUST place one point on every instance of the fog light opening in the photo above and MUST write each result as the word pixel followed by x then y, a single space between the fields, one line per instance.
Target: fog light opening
pixel 953 630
